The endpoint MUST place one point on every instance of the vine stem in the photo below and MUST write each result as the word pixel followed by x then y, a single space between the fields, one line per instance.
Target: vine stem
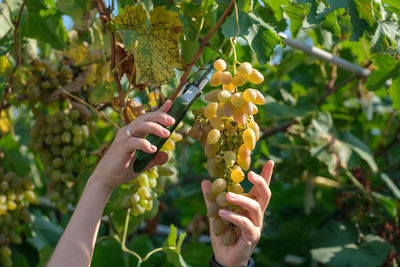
pixel 203 44
pixel 101 114
pixel 18 60
pixel 101 7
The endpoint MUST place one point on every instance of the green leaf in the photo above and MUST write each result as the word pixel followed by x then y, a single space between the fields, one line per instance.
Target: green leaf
pixel 5 20
pixel 107 253
pixel 174 256
pixel 276 6
pixel 364 8
pixel 47 28
pixel 229 28
pixel 156 51
pixel 394 92
pixel 387 34
pixel 44 256
pixel 78 10
pixel 393 3
pixel 296 16
pixel 44 232
pixel 391 185
pixel 361 149
pixel 197 254
pixel 103 93
pixel 189 49
pixel 387 68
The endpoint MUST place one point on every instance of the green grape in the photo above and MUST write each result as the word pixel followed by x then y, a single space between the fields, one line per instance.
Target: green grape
pixel 229 237
pixel 143 180
pixel 144 192
pixel 210 196
pixel 68 124
pixel 135 198
pixel 221 199
pixel 218 226
pixel 212 210
pixel 77 141
pixel 57 162
pixel 230 158
pixel 74 114
pixel 66 137
pixel 77 130
pixel 218 186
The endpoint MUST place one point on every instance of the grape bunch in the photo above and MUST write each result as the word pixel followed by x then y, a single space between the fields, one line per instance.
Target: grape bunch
pixel 228 133
pixel 148 185
pixel 16 193
pixel 60 140
pixel 45 78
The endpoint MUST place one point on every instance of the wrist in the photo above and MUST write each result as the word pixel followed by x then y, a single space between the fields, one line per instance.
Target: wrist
pixel 220 262
pixel 101 186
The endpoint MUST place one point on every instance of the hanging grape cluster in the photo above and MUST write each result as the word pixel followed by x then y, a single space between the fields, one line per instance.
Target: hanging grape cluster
pixel 228 133
pixel 44 78
pixel 60 140
pixel 148 185
pixel 15 195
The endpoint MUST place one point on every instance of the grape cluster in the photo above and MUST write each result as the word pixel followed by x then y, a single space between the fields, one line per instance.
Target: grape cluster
pixel 45 78
pixel 228 133
pixel 60 141
pixel 15 195
pixel 147 186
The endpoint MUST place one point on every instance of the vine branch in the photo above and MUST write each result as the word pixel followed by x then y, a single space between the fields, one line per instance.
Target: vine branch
pixel 203 44
pixel 18 59
pixel 101 7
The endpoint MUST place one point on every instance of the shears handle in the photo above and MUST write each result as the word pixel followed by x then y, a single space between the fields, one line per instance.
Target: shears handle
pixel 177 111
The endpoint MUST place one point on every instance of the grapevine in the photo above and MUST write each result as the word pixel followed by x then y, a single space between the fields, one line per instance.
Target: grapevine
pixel 228 133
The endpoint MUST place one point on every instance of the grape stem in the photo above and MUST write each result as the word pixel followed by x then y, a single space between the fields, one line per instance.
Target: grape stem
pixel 125 249
pixel 101 7
pixel 18 59
pixel 203 44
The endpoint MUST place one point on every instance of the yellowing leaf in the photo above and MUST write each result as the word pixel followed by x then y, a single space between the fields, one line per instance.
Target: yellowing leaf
pixel 103 93
pixel 5 124
pixel 156 53
pixel 5 65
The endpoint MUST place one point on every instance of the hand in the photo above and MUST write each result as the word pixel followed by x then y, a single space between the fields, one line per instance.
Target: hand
pixel 116 167
pixel 249 221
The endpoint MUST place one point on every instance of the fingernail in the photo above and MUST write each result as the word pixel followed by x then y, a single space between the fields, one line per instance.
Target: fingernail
pixel 232 195
pixel 170 120
pixel 153 148
pixel 273 163
pixel 223 212
pixel 165 132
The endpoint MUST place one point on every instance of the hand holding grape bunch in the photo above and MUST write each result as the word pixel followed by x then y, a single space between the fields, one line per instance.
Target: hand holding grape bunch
pixel 249 220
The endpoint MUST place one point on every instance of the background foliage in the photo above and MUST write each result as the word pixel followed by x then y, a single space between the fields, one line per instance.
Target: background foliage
pixel 333 135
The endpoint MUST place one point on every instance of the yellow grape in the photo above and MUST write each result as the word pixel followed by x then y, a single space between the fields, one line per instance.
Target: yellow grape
pixel 237 175
pixel 218 186
pixel 255 109
pixel 236 188
pixel 210 196
pixel 224 96
pixel 216 79
pixel 254 126
pixel 260 100
pixel 250 95
pixel 210 150
pixel 220 65
pixel 230 158
pixel 247 108
pixel 245 69
pixel 169 145
pixel 177 137
pixel 230 87
pixel 221 199
pixel 210 110
pixel 244 152
pixel 239 80
pixel 228 110
pixel 239 117
pixel 212 210
pixel 255 77
pixel 217 123
pixel 226 77
pixel 218 226
pixel 249 138
pixel 213 136
pixel 229 237
pixel 220 110
pixel 211 166
pixel 237 99
pixel 212 96
pixel 244 163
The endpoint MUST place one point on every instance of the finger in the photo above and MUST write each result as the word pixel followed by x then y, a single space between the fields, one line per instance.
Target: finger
pixel 260 190
pixel 250 205
pixel 145 127
pixel 160 158
pixel 166 106
pixel 158 116
pixel 247 228
pixel 135 143
pixel 205 187
pixel 266 172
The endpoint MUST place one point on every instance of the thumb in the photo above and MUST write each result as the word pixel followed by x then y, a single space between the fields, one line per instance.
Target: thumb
pixel 205 187
pixel 166 106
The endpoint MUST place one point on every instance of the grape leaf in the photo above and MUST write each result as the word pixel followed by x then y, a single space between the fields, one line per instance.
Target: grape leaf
pixel 387 34
pixel 394 92
pixel 296 15
pixel 156 52
pixel 103 93
pixel 364 8
pixel 174 256
pixel 387 68
pixel 276 6
pixel 229 28
pixel 78 10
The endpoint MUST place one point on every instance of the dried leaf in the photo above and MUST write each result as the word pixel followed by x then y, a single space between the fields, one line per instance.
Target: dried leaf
pixel 157 53
pixel 75 86
pixel 125 63
pixel 134 109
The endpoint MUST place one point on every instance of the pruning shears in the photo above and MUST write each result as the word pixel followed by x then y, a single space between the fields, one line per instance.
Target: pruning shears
pixel 178 110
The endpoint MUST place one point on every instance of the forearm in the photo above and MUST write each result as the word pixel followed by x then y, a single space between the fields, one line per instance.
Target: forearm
pixel 75 247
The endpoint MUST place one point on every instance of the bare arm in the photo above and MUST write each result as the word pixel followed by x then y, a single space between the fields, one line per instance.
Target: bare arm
pixel 75 247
